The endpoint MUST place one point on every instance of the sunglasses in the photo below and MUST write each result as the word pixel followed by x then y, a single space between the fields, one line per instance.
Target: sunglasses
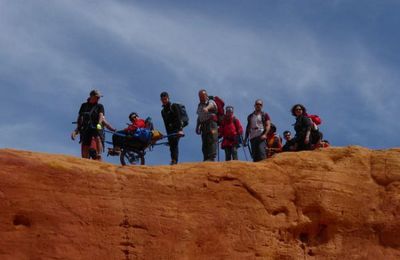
pixel 258 104
pixel 298 109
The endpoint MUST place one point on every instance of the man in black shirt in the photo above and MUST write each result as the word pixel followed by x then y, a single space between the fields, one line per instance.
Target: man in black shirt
pixel 173 125
pixel 90 124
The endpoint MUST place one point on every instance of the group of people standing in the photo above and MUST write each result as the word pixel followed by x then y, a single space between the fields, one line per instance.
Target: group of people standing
pixel 211 124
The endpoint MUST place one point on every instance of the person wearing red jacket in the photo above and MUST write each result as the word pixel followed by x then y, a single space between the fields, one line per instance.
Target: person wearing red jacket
pixel 231 131
pixel 120 136
pixel 136 122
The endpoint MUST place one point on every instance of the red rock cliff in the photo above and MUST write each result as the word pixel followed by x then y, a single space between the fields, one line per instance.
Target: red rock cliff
pixel 338 203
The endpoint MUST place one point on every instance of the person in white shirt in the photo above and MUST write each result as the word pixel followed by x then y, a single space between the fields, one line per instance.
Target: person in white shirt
pixel 258 125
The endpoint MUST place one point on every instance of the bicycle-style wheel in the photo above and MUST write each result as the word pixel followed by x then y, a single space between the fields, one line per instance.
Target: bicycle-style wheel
pixel 129 157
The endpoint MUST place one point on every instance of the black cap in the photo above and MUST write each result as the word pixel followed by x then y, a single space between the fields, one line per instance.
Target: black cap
pixel 95 93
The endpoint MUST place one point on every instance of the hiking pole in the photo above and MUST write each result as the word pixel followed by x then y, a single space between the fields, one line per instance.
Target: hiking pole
pixel 218 149
pixel 243 145
pixel 248 147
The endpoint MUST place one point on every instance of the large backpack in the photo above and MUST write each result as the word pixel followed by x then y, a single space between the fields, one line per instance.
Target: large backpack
pixel 142 134
pixel 316 119
pixel 220 108
pixel 182 111
pixel 85 120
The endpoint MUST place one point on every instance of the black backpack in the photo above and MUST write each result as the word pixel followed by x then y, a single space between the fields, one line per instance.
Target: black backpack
pixel 85 120
pixel 182 112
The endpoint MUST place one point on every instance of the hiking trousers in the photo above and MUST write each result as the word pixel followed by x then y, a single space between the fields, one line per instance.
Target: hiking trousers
pixel 209 138
pixel 173 142
pixel 231 153
pixel 258 147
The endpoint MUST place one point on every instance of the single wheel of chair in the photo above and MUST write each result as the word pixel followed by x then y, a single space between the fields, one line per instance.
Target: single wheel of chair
pixel 129 157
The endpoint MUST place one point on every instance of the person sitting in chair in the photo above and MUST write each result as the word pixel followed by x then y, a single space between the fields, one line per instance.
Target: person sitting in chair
pixel 120 136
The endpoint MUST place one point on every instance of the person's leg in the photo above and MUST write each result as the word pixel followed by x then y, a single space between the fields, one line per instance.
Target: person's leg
pixel 228 153
pixel 85 151
pixel 99 147
pixel 210 146
pixel 254 148
pixel 204 145
pixel 173 148
pixel 234 152
pixel 262 145
pixel 86 140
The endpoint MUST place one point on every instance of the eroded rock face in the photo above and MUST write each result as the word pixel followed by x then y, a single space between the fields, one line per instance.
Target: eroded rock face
pixel 337 203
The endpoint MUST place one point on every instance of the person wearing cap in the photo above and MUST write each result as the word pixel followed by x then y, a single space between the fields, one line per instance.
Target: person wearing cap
pixel 90 123
pixel 173 125
pixel 231 131
pixel 258 125
pixel 207 125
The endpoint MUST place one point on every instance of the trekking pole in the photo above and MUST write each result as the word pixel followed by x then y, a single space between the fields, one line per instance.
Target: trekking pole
pixel 218 149
pixel 243 145
pixel 248 147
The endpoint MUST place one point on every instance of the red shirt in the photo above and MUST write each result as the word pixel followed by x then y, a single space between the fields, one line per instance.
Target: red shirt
pixel 138 123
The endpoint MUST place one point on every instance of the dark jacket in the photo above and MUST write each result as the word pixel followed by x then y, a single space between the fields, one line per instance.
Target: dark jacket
pixel 302 125
pixel 172 118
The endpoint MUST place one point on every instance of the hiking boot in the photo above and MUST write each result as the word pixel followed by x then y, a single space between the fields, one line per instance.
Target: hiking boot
pixel 114 151
pixel 173 162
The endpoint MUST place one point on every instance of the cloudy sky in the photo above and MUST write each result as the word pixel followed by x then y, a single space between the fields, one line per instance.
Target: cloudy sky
pixel 340 58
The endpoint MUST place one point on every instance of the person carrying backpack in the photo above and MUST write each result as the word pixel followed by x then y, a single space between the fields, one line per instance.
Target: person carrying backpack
pixel 302 127
pixel 207 125
pixel 258 125
pixel 231 131
pixel 90 123
pixel 173 125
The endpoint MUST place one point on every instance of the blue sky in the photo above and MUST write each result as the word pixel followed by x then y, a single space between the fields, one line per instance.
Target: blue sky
pixel 339 58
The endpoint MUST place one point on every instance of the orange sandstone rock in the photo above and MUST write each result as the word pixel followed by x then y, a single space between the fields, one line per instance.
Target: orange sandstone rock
pixel 337 203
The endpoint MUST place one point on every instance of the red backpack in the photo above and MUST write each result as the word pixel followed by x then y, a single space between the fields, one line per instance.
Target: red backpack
pixel 220 108
pixel 316 119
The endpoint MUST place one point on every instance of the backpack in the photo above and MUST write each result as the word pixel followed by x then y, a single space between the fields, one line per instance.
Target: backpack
pixel 316 119
pixel 142 134
pixel 85 120
pixel 220 108
pixel 182 111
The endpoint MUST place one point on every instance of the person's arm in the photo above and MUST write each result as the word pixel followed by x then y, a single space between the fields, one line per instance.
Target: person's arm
pixel 267 126
pixel 103 122
pixel 308 123
pixel 198 125
pixel 75 132
pixel 211 106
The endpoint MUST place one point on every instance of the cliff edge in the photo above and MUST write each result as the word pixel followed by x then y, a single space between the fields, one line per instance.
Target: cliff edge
pixel 336 203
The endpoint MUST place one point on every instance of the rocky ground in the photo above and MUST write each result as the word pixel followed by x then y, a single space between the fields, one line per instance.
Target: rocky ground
pixel 337 203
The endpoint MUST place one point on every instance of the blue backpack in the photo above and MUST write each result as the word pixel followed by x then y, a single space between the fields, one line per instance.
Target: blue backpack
pixel 142 134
